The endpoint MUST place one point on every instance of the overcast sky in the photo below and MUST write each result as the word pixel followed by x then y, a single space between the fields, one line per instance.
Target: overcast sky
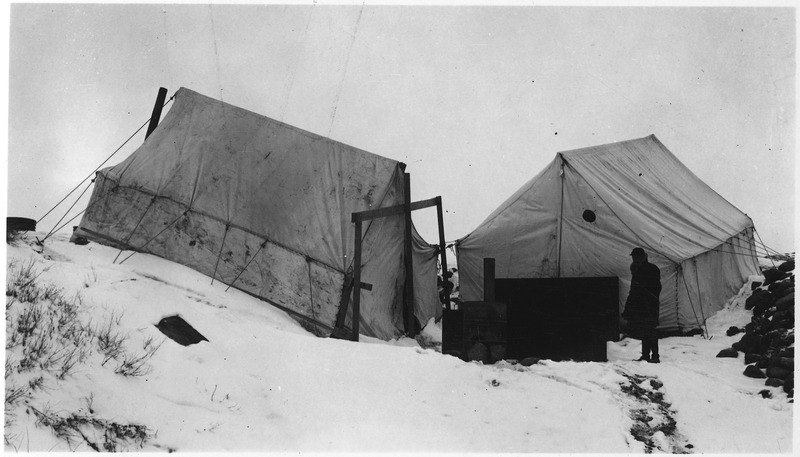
pixel 475 99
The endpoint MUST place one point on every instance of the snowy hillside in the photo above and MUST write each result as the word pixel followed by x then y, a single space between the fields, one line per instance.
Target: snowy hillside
pixel 103 377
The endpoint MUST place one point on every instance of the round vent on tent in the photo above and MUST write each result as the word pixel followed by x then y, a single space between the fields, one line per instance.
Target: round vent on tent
pixel 589 216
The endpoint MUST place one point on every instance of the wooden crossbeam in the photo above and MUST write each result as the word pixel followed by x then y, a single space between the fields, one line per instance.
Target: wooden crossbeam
pixel 394 210
pixel 358 219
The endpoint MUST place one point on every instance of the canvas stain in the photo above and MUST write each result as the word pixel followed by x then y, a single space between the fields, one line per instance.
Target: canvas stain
pixel 180 331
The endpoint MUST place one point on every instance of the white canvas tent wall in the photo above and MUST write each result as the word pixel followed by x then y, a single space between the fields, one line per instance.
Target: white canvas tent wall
pixel 641 195
pixel 234 194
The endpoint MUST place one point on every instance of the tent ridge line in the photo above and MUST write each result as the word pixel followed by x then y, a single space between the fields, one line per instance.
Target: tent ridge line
pixel 231 224
pixel 589 149
pixel 306 133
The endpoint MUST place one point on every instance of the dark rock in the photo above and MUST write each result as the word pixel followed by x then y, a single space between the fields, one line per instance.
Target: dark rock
pixel 779 289
pixel 728 352
pixel 772 275
pixel 787 352
pixel 79 240
pixel 766 393
pixel 751 357
pixel 774 382
pixel 760 298
pixel 780 338
pixel 763 363
pixel 781 315
pixel 498 352
pixel 750 342
pixel 778 372
pixel 528 361
pixel 786 266
pixel 478 352
pixel 782 324
pixel 733 331
pixel 762 309
pixel 693 332
pixel 755 285
pixel 788 385
pixel 786 302
pixel 752 372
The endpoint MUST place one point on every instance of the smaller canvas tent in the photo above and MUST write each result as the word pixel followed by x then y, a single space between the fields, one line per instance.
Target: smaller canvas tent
pixel 582 215
pixel 266 207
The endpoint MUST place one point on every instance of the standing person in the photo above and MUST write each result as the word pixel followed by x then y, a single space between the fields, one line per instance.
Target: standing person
pixel 642 305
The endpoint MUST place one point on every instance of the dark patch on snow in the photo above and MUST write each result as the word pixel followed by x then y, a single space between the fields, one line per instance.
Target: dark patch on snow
pixel 180 331
pixel 653 415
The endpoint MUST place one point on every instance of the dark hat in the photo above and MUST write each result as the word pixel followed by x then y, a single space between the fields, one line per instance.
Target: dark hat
pixel 637 251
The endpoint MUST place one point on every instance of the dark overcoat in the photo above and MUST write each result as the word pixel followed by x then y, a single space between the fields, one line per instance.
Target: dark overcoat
pixel 642 305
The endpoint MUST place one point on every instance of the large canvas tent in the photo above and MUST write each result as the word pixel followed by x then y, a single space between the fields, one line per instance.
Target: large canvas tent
pixel 582 215
pixel 266 207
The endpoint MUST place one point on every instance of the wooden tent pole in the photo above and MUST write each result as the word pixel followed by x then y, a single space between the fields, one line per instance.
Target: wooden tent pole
pixel 156 116
pixel 442 247
pixel 357 281
pixel 409 260
pixel 561 173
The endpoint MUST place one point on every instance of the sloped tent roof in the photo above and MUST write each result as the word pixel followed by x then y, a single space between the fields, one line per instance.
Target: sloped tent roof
pixel 640 195
pixel 266 207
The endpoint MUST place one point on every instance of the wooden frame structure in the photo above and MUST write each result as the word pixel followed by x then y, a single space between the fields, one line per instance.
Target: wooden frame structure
pixel 408 292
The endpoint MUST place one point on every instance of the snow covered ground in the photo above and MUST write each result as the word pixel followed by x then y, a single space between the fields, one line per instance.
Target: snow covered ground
pixel 262 383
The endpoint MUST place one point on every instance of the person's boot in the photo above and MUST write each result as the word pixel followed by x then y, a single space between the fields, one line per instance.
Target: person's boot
pixel 653 345
pixel 645 352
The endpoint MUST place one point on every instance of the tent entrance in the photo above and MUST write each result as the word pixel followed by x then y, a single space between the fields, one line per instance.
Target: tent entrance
pixel 358 219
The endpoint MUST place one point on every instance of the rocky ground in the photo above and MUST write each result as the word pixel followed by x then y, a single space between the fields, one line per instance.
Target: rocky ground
pixel 768 340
